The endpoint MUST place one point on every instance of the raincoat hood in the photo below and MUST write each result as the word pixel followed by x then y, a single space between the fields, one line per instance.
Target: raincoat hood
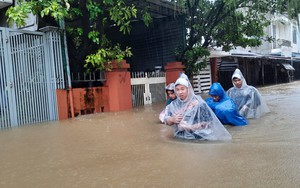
pixel 170 87
pixel 183 80
pixel 238 74
pixel 217 90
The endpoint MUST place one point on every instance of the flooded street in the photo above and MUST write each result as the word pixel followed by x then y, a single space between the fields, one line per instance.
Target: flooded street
pixel 132 149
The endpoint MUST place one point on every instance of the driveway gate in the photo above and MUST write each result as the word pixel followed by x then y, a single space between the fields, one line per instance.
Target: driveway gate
pixel 148 88
pixel 202 81
pixel 30 72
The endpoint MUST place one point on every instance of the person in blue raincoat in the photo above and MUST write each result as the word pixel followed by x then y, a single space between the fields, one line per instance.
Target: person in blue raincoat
pixel 224 107
pixel 191 117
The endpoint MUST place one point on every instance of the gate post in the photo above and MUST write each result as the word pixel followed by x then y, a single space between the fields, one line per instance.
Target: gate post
pixel 119 87
pixel 173 70
pixel 214 69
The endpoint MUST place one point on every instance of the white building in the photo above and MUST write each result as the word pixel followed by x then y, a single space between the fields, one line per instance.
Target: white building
pixel 285 33
pixel 31 21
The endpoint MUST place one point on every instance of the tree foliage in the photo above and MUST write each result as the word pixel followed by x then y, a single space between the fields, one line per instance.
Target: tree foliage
pixel 87 23
pixel 209 23
pixel 227 24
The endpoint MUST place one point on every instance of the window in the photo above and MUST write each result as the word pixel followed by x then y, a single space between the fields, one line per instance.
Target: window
pixel 274 35
pixel 294 35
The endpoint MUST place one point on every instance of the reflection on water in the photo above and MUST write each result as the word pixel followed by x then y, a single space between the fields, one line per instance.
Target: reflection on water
pixel 132 149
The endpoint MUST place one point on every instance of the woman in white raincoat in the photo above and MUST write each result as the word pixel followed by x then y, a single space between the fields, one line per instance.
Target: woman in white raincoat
pixel 191 117
pixel 247 98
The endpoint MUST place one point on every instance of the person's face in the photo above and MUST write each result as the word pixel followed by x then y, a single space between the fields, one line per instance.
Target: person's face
pixel 216 98
pixel 237 82
pixel 182 91
pixel 171 94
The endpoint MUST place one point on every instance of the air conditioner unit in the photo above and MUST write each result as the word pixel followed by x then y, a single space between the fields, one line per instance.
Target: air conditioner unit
pixel 5 3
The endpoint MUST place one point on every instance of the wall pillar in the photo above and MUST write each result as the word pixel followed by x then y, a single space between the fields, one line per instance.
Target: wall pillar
pixel 214 69
pixel 62 104
pixel 119 87
pixel 173 70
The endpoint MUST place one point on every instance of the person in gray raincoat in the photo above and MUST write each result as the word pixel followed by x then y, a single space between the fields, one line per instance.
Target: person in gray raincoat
pixel 247 98
pixel 191 117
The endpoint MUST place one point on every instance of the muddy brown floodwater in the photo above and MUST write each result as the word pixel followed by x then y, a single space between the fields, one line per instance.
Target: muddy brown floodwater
pixel 132 149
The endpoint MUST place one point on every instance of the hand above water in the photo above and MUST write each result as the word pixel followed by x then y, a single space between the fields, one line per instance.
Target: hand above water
pixel 177 118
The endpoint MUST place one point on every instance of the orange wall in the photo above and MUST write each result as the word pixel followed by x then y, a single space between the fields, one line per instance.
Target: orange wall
pixel 173 70
pixel 114 96
pixel 62 104
pixel 85 101
pixel 119 86
pixel 90 100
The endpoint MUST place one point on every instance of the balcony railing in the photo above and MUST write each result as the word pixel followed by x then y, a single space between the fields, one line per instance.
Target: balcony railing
pixel 282 42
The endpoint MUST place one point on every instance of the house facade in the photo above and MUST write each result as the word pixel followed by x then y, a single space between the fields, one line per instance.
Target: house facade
pixel 152 46
pixel 4 4
pixel 272 62
pixel 286 38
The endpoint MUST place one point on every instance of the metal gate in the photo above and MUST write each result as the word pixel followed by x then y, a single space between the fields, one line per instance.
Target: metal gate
pixel 30 72
pixel 148 88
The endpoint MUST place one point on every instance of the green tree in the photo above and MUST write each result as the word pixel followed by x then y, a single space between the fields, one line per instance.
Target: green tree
pixel 87 23
pixel 227 24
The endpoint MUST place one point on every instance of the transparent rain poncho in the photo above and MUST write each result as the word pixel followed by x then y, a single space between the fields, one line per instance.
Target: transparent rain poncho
pixel 247 98
pixel 169 87
pixel 225 109
pixel 199 121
